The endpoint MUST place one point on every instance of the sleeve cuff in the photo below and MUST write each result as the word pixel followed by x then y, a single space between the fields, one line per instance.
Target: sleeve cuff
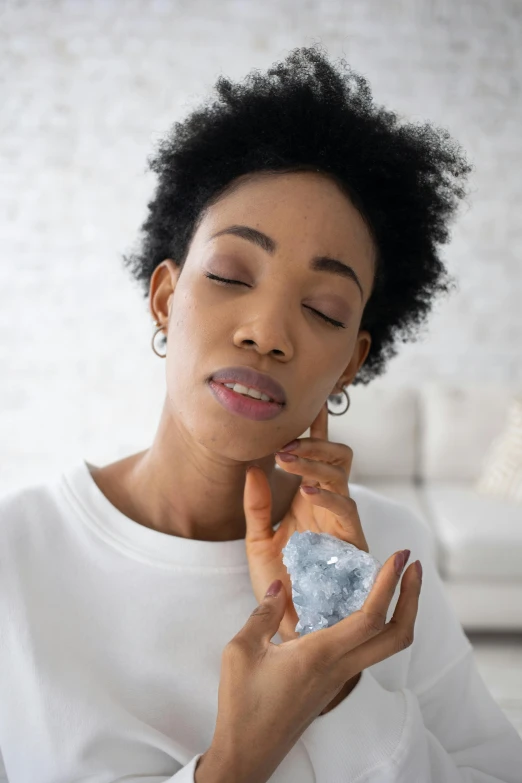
pixel 187 773
pixel 361 733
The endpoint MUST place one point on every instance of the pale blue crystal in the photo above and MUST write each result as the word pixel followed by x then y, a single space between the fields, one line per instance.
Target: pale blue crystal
pixel 330 578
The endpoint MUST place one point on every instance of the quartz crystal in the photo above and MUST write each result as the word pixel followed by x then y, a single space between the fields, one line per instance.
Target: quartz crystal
pixel 330 578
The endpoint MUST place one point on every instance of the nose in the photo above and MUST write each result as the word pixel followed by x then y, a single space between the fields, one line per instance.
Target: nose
pixel 265 326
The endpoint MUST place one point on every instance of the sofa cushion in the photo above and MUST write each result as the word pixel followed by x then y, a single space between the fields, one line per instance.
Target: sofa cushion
pixel 502 469
pixel 480 536
pixel 484 605
pixel 458 424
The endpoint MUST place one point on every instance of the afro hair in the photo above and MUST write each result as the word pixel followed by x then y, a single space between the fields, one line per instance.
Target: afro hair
pixel 405 179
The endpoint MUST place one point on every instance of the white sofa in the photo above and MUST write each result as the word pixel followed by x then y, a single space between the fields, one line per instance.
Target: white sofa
pixel 423 446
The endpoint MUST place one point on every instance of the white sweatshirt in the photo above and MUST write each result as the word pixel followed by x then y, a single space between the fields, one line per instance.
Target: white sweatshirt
pixel 111 637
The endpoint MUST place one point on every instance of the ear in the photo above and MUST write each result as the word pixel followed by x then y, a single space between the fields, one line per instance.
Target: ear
pixel 361 350
pixel 162 285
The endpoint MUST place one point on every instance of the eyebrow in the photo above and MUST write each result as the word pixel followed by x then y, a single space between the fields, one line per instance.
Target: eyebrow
pixel 269 245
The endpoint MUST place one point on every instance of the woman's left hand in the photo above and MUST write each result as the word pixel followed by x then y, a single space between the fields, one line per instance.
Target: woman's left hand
pixel 330 510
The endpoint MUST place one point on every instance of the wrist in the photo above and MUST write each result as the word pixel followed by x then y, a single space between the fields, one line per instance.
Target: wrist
pixel 209 769
pixel 215 767
pixel 343 693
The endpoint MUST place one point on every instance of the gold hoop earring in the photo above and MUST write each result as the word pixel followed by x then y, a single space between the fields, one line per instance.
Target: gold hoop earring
pixel 159 329
pixel 338 398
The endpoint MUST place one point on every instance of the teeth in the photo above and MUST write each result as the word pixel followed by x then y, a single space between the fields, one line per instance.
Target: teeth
pixel 257 395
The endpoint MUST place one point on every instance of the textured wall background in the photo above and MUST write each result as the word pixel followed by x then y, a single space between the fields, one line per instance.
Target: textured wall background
pixel 88 88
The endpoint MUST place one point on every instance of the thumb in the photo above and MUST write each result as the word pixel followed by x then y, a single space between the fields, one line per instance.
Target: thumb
pixel 266 618
pixel 257 505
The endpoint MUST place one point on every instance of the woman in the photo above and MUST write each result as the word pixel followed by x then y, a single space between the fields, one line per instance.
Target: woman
pixel 292 240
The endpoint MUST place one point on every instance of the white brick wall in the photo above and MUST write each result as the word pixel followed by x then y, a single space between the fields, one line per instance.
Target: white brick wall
pixel 87 88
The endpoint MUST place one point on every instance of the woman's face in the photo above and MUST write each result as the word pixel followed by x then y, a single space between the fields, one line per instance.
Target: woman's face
pixel 267 322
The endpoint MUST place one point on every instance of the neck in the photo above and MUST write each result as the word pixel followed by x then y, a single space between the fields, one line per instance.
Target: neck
pixel 181 489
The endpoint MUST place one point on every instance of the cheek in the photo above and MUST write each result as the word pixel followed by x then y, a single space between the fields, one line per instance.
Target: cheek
pixel 318 395
pixel 324 367
pixel 191 350
pixel 182 347
pixel 192 324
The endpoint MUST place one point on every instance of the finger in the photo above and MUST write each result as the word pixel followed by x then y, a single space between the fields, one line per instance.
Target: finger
pixel 362 639
pixel 323 450
pixel 377 603
pixel 319 427
pixel 257 505
pixel 345 512
pixel 397 635
pixel 329 476
pixel 370 619
pixel 263 623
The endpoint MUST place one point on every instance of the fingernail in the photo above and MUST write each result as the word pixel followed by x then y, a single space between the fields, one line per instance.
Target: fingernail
pixel 418 566
pixel 401 558
pixel 310 490
pixel 287 457
pixel 274 588
pixel 290 446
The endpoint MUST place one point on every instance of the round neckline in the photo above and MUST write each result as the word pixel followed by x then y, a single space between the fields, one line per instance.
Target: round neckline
pixel 140 542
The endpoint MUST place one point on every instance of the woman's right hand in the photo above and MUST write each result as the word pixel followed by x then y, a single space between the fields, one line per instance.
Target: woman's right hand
pixel 269 694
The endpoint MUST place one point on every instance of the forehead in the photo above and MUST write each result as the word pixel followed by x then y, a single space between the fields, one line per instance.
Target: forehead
pixel 304 195
pixel 304 212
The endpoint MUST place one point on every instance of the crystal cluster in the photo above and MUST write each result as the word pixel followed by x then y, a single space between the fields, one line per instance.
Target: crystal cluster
pixel 330 578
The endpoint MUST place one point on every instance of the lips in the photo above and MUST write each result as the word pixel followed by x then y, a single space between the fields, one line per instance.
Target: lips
pixel 247 376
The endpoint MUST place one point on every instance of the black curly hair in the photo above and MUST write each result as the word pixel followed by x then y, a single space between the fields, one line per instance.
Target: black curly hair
pixel 305 115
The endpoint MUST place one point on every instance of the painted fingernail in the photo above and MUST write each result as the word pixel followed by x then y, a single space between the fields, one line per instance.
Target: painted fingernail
pixel 290 446
pixel 287 457
pixel 418 566
pixel 401 558
pixel 399 563
pixel 274 588
pixel 310 490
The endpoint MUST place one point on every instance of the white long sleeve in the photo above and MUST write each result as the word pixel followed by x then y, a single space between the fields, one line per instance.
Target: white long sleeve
pixel 185 774
pixel 451 732
pixel 441 726
pixel 111 636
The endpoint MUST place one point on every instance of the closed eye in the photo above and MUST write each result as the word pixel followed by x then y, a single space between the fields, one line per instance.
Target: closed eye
pixel 332 321
pixel 225 281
